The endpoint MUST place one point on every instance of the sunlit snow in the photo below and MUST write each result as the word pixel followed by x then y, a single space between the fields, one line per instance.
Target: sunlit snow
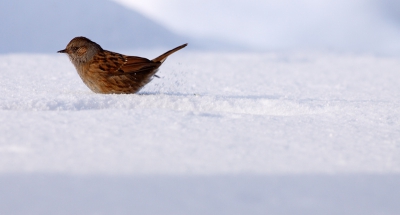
pixel 218 133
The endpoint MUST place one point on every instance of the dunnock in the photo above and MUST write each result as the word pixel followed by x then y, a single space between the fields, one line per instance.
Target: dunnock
pixel 109 72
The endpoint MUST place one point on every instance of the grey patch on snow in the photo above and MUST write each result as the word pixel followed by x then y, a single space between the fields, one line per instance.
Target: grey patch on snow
pixel 255 105
pixel 220 194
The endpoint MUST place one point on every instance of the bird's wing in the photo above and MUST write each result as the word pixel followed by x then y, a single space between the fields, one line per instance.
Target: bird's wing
pixel 139 65
pixel 118 64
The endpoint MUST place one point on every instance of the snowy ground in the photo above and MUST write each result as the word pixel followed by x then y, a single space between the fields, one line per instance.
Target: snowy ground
pixel 250 133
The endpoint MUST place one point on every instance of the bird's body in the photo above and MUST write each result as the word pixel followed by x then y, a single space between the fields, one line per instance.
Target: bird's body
pixel 109 72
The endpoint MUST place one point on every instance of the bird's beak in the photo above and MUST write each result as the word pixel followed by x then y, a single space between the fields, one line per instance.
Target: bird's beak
pixel 62 51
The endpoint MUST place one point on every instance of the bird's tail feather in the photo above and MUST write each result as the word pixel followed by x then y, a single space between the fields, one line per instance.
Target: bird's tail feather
pixel 164 56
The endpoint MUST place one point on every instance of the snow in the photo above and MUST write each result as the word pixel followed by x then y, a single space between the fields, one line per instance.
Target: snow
pixel 218 133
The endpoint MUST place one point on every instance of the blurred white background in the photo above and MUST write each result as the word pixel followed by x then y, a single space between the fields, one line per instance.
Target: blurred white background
pixel 360 26
pixel 339 25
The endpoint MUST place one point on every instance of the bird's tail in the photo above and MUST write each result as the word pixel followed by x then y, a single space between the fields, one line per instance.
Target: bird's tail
pixel 164 56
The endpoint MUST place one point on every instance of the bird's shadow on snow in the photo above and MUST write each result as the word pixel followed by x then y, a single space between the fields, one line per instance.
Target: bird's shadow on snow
pixel 196 102
pixel 270 97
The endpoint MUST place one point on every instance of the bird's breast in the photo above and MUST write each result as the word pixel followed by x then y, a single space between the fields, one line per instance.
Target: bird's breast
pixel 92 79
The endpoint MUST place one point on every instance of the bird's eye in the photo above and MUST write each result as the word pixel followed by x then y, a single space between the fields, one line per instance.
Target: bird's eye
pixel 74 49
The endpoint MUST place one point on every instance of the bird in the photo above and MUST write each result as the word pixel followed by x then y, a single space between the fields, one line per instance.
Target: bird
pixel 108 72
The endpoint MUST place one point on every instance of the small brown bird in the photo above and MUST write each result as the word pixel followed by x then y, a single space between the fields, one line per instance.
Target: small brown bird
pixel 109 72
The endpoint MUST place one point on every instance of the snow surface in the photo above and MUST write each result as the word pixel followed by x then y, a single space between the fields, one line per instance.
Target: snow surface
pixel 218 133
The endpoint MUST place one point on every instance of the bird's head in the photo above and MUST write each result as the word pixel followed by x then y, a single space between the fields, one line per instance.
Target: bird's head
pixel 81 50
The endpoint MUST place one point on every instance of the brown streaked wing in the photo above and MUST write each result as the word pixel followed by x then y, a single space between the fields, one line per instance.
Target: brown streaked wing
pixel 107 61
pixel 117 64
pixel 138 65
